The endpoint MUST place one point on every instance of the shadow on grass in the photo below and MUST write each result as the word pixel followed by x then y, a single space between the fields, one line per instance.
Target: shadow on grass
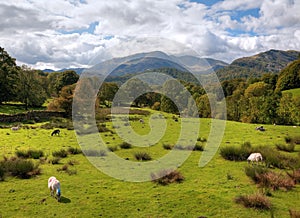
pixel 65 200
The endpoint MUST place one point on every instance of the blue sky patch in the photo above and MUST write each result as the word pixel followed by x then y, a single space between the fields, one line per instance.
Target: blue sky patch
pixel 90 29
pixel 206 2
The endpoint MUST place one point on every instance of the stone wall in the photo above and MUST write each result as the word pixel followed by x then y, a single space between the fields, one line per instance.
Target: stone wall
pixel 31 115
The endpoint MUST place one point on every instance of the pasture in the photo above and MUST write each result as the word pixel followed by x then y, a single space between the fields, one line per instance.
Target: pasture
pixel 87 192
pixel 295 92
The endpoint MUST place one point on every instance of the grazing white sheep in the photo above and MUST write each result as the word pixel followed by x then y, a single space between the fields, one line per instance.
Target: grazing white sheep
pixel 54 186
pixel 15 128
pixel 255 157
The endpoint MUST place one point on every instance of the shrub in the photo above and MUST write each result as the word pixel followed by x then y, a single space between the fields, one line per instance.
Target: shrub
pixel 113 148
pixel 72 162
pixel 73 151
pixel 198 147
pixel 288 147
pixel 254 172
pixel 142 156
pixel 125 145
pixel 55 160
pixel 62 153
pixel 275 181
pixel 94 153
pixel 19 167
pixel 235 153
pixel 35 154
pixel 295 175
pixel 166 177
pixel 257 201
pixel 167 146
pixel 2 172
pixel 201 139
pixel 22 154
pixel 294 213
pixel 288 139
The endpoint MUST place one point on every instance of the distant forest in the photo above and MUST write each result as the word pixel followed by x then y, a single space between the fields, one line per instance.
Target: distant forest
pixel 254 100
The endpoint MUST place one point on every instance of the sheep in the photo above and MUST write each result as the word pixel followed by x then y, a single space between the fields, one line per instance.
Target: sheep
pixel 54 186
pixel 15 128
pixel 55 132
pixel 255 157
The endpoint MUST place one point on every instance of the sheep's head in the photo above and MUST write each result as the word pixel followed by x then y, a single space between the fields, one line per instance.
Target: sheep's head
pixel 58 194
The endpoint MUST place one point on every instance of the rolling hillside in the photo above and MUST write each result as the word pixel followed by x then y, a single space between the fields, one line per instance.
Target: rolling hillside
pixel 272 61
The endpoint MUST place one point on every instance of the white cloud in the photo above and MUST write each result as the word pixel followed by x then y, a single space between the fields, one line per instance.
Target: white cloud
pixel 32 31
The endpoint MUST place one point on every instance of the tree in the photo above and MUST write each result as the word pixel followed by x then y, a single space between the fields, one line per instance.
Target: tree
pixel 289 78
pixel 107 93
pixel 65 78
pixel 8 76
pixel 30 90
pixel 64 101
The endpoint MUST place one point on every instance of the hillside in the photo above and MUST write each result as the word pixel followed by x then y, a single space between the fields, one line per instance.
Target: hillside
pixel 289 77
pixel 272 61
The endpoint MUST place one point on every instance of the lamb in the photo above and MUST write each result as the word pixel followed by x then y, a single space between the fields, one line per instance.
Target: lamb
pixel 255 157
pixel 15 128
pixel 54 186
pixel 55 132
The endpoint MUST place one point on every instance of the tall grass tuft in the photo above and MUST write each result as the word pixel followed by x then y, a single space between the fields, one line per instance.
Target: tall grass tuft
pixel 257 201
pixel 287 148
pixel 62 153
pixel 142 156
pixel 73 151
pixel 166 177
pixel 294 213
pixel 125 145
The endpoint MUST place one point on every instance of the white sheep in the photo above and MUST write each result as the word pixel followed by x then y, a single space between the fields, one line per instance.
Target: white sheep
pixel 54 186
pixel 255 157
pixel 15 128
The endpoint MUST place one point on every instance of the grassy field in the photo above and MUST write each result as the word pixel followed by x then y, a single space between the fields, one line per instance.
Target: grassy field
pixel 295 92
pixel 207 191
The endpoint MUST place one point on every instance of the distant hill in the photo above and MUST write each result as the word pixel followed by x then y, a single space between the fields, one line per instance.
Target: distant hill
pixel 289 77
pixel 272 61
pixel 77 70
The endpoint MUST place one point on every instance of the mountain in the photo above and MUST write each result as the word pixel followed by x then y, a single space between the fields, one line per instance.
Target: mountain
pixel 77 70
pixel 142 62
pixel 272 61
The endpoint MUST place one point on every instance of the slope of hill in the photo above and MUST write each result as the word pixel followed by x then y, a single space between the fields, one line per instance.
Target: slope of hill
pixel 289 77
pixel 272 61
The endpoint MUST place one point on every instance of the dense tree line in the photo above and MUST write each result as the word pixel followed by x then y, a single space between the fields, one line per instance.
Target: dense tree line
pixel 29 86
pixel 254 100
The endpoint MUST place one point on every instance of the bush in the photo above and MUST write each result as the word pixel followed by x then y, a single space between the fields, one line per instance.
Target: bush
pixel 142 156
pixel 254 172
pixel 275 181
pixel 198 147
pixel 125 145
pixel 35 154
pixel 257 201
pixel 235 153
pixel 295 175
pixel 94 153
pixel 288 147
pixel 2 172
pixel 288 139
pixel 22 154
pixel 294 213
pixel 19 167
pixel 295 140
pixel 166 177
pixel 113 148
pixel 73 151
pixel 55 160
pixel 167 146
pixel 62 153
pixel 201 139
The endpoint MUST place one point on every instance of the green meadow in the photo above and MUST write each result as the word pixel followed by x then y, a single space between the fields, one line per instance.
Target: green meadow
pixel 295 92
pixel 207 191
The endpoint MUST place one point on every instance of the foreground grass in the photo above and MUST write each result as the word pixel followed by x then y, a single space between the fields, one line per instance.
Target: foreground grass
pixel 206 191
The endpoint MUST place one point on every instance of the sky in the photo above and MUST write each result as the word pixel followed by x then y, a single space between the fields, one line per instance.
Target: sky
pixel 60 34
